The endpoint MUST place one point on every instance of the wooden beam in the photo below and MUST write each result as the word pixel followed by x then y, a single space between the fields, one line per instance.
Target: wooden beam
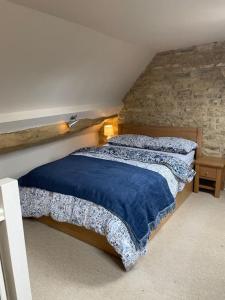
pixel 35 136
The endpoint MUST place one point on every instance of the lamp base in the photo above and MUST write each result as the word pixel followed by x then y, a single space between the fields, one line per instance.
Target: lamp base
pixel 109 137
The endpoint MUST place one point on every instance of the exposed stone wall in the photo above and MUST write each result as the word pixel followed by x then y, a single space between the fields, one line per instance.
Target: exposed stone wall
pixel 183 87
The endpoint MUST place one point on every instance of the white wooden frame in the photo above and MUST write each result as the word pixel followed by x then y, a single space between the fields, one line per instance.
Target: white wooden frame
pixel 2 284
pixel 12 244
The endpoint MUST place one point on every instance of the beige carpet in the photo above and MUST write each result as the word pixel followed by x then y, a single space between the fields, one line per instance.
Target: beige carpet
pixel 186 260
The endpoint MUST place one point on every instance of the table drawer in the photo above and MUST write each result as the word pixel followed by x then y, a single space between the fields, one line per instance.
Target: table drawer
pixel 207 172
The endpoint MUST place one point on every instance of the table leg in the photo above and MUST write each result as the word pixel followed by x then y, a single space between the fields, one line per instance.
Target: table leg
pixel 196 183
pixel 218 182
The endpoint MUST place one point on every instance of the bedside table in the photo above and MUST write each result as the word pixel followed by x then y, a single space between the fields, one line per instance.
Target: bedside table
pixel 210 174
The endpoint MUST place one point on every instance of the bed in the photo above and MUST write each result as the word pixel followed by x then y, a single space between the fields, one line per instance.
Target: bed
pixel 117 239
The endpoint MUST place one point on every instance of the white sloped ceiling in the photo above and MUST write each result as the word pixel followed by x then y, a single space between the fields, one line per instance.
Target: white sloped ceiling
pixel 157 24
pixel 51 66
pixel 49 61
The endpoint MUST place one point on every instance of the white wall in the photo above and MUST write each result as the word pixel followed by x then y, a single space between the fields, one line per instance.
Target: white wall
pixel 47 62
pixel 52 67
pixel 17 163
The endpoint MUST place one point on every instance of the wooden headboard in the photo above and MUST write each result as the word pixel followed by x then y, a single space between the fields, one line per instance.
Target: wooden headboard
pixel 194 134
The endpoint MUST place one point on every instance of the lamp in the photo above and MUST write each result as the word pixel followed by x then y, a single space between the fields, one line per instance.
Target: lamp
pixel 108 131
pixel 73 121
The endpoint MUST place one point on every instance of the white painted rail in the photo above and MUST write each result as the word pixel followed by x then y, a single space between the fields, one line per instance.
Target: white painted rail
pixel 2 284
pixel 13 267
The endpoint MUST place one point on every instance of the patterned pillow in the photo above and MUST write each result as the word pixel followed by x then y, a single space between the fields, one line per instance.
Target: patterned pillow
pixel 171 144
pixel 130 140
pixel 166 144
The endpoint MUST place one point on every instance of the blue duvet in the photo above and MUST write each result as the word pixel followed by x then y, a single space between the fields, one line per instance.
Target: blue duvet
pixel 139 197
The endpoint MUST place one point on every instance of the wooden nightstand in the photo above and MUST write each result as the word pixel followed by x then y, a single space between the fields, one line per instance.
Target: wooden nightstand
pixel 209 174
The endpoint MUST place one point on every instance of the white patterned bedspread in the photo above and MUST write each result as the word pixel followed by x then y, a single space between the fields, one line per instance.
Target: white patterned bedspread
pixel 63 208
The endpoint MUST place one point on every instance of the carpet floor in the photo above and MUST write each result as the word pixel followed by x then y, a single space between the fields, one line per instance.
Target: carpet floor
pixel 186 260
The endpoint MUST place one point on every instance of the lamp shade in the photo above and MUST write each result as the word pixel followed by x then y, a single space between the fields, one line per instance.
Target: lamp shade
pixel 108 130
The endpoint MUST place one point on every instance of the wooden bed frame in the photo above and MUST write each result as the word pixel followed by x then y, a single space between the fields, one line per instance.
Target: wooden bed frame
pixel 99 241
